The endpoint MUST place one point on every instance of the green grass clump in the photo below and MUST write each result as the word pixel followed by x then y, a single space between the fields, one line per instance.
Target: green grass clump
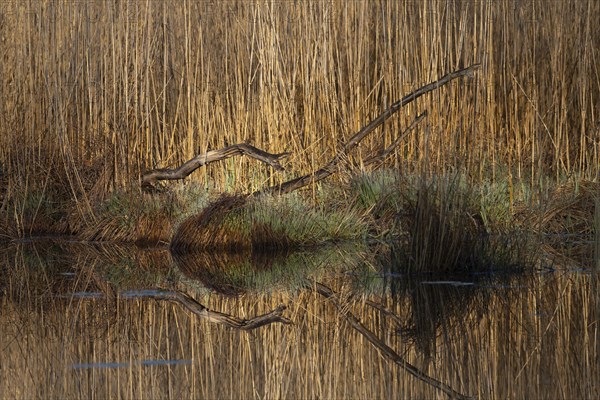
pixel 33 213
pixel 292 221
pixel 266 223
pixel 375 190
pixel 447 233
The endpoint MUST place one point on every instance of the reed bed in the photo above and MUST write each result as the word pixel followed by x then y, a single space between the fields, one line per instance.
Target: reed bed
pixel 96 92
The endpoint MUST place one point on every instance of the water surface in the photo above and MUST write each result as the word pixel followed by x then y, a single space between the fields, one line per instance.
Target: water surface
pixel 91 321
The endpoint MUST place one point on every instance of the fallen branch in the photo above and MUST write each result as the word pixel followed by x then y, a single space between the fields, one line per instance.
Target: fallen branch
pixel 222 318
pixel 386 152
pixel 354 141
pixel 332 166
pixel 387 351
pixel 150 178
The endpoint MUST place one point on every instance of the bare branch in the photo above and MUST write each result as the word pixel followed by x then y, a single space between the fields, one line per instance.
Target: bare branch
pixel 386 152
pixel 222 318
pixel 150 178
pixel 387 351
pixel 331 167
pixel 360 135
pixel 354 141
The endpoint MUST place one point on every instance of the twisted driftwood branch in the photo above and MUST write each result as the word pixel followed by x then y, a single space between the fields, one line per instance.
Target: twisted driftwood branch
pixel 329 169
pixel 387 351
pixel 150 178
pixel 222 318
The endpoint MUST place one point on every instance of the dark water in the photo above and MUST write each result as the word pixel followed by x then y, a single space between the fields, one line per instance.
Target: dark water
pixel 95 321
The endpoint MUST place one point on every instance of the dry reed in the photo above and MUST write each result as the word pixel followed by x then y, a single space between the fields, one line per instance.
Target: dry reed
pixel 93 93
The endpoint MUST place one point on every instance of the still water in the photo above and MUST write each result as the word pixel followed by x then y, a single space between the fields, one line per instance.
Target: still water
pixel 92 321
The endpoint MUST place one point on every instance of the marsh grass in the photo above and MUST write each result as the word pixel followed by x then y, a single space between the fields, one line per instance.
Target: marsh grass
pixel 301 223
pixel 441 231
pixel 441 223
pixel 131 216
pixel 570 208
pixel 437 224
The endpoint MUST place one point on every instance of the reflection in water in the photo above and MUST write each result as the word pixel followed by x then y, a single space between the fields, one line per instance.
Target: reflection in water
pixel 510 335
pixel 379 343
pixel 237 273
